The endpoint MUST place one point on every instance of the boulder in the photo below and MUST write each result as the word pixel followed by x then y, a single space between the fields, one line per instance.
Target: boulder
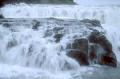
pixel 94 49
pixel 79 56
pixel 109 60
pixel 99 38
pixel 79 51
pixel 98 55
pixel 1 16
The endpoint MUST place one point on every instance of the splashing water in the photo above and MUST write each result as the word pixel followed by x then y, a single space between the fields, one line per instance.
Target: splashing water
pixel 27 53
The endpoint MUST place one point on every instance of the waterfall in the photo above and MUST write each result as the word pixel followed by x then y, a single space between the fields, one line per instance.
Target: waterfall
pixel 29 49
pixel 106 14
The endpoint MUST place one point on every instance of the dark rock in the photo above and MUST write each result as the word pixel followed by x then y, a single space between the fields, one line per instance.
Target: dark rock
pixel 109 60
pixel 58 37
pixel 98 55
pixel 79 56
pixel 1 16
pixel 100 50
pixel 79 51
pixel 1 3
pixel 99 38
pixel 106 55
pixel 80 44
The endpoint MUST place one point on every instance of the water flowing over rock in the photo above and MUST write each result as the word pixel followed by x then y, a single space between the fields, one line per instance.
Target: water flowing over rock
pixel 94 49
pixel 83 41
pixel 79 51
pixel 57 39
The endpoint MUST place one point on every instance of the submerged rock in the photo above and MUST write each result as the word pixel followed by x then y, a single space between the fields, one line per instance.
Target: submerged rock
pixel 1 16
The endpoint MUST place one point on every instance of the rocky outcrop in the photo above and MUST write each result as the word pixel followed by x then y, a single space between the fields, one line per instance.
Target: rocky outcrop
pixel 79 51
pixel 94 49
pixel 103 47
pixel 83 41
pixel 1 3
pixel 1 16
pixel 39 1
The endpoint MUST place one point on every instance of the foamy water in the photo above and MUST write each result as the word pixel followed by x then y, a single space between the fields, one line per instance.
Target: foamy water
pixel 34 56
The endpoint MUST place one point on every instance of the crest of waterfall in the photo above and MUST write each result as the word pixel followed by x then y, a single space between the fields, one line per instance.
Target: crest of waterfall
pixel 105 14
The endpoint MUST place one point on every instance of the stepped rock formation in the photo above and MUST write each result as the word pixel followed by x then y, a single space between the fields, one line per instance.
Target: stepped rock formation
pixel 93 49
pixel 37 2
pixel 84 41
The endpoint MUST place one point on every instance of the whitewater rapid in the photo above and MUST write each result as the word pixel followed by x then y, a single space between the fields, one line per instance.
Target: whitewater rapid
pixel 105 14
pixel 17 63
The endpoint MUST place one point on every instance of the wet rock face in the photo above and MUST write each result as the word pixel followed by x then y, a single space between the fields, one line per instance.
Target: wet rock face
pixel 94 49
pixel 107 57
pixel 1 16
pixel 79 51
pixel 84 42
pixel 99 38
pixel 1 3
pixel 108 60
pixel 80 56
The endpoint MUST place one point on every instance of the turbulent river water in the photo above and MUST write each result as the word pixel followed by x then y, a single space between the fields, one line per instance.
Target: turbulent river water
pixel 26 53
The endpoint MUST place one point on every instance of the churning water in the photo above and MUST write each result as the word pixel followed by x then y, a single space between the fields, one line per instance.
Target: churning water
pixel 30 53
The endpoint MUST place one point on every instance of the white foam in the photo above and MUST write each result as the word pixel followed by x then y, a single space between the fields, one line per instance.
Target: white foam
pixel 106 14
pixel 97 2
pixel 18 63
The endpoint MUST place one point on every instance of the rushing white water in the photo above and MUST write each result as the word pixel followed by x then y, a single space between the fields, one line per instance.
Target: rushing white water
pixel 27 54
pixel 97 2
pixel 25 51
pixel 106 14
